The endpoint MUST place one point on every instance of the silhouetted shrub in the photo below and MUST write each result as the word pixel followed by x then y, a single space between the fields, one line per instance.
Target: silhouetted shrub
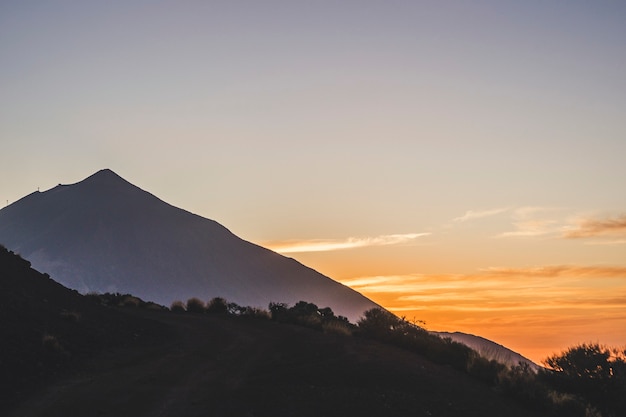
pixel 382 325
pixel 337 327
pixel 217 305
pixel 255 312
pixel 379 323
pixel 310 315
pixel 130 301
pixel 52 346
pixel 73 316
pixel 279 311
pixel 484 369
pixel 521 382
pixel 591 371
pixel 177 307
pixel 122 300
pixel 195 305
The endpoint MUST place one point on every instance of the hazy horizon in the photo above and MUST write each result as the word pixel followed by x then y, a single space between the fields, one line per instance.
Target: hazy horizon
pixel 458 163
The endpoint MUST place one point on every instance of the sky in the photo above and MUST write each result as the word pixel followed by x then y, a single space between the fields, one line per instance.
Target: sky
pixel 459 162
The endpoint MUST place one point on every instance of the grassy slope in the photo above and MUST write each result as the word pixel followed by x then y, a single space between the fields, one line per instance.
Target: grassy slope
pixel 238 367
pixel 134 362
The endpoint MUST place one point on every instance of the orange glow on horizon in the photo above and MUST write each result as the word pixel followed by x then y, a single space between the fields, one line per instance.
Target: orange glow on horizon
pixel 534 311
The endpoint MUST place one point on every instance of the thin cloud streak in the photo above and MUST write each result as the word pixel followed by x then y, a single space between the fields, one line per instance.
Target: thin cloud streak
pixel 534 310
pixel 473 215
pixel 554 287
pixel 528 222
pixel 323 245
pixel 592 227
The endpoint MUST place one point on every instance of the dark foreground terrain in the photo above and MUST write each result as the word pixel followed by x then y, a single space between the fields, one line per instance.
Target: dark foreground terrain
pixel 64 354
pixel 221 366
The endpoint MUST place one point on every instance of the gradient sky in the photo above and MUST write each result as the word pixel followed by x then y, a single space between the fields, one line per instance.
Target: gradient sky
pixel 462 163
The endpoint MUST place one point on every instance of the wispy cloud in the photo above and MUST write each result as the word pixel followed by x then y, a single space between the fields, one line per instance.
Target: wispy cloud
pixel 479 214
pixel 534 221
pixel 592 227
pixel 322 245
pixel 542 222
pixel 493 289
pixel 557 271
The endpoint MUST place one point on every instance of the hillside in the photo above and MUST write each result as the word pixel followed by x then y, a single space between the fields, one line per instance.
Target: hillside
pixel 104 234
pixel 48 330
pixel 489 349
pixel 150 362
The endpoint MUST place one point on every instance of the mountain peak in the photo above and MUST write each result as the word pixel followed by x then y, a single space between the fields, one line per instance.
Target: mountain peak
pixel 106 176
pixel 106 180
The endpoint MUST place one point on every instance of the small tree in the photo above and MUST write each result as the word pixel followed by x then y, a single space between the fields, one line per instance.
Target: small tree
pixel 177 307
pixel 217 305
pixel 278 311
pixel 593 371
pixel 195 305
pixel 378 322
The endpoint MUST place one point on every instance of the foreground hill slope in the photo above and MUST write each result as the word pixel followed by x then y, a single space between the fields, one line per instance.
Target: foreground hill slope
pixel 223 366
pixel 66 354
pixel 104 234
pixel 48 330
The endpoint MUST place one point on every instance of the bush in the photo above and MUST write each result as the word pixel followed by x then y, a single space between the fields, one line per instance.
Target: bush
pixel 177 307
pixel 279 311
pixel 337 327
pixel 484 369
pixel 255 312
pixel 379 323
pixel 73 316
pixel 217 305
pixel 53 347
pixel 591 371
pixel 130 301
pixel 195 305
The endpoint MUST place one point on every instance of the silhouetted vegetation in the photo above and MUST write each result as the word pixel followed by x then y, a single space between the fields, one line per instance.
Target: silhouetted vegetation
pixel 593 372
pixel 217 305
pixel 587 380
pixel 384 326
pixel 177 307
pixel 48 331
pixel 122 300
pixel 196 305
pixel 310 315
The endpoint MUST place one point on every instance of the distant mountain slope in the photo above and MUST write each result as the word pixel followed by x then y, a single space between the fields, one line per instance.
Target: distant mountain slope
pixel 105 234
pixel 489 349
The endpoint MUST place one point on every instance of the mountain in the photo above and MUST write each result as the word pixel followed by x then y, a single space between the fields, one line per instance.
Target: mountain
pixel 489 349
pixel 104 234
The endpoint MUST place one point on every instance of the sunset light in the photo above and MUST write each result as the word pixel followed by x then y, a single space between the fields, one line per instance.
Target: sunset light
pixel 461 164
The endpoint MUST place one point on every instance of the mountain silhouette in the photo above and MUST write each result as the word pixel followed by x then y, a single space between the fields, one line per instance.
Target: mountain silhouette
pixel 104 234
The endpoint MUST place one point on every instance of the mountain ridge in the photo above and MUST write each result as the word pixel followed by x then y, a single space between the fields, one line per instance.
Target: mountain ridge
pixel 105 234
